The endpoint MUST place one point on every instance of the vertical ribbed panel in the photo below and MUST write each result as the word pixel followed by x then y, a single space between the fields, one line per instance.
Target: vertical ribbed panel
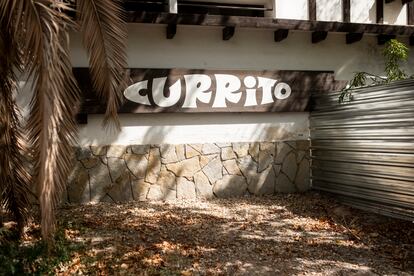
pixel 363 150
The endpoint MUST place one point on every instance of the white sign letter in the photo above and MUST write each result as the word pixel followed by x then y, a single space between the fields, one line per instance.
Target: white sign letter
pixel 158 92
pixel 196 87
pixel 227 85
pixel 132 93
pixel 267 85
pixel 282 91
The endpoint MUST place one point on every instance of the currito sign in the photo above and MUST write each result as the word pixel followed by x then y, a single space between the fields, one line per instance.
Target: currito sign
pixel 184 90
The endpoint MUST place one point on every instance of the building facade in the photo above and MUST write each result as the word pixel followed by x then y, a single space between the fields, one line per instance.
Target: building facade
pixel 246 147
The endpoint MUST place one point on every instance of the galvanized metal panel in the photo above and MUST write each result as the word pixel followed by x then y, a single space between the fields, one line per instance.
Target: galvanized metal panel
pixel 363 150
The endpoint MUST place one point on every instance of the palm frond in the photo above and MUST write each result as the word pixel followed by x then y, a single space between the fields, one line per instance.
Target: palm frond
pixel 51 125
pixel 104 36
pixel 14 174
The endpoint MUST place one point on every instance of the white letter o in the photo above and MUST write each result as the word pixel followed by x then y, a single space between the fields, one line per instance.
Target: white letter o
pixel 282 87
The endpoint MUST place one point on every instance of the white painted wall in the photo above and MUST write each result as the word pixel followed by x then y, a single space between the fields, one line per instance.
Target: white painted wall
pixel 197 128
pixel 297 9
pixel 363 11
pixel 395 13
pixel 329 10
pixel 250 49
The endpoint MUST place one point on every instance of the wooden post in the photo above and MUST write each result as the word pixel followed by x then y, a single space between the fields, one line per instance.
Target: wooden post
pixel 346 11
pixel 312 10
pixel 380 11
pixel 410 13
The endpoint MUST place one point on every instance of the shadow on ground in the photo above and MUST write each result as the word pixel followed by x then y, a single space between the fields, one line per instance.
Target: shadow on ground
pixel 286 234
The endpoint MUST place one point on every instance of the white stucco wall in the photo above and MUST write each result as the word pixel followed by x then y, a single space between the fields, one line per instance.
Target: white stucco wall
pixel 363 11
pixel 203 48
pixel 395 13
pixel 329 10
pixel 289 9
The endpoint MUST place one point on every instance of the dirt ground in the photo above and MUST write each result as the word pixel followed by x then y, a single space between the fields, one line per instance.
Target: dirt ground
pixel 302 234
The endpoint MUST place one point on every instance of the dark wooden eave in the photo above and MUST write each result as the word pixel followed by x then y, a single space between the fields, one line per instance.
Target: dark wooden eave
pixel 266 23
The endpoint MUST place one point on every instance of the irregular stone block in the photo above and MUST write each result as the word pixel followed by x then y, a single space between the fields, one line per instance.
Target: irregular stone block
pixel 186 168
pixel 224 171
pixel 263 183
pixel 155 193
pixel 197 147
pixel 78 185
pixel 185 189
pixel 191 152
pixel 104 160
pixel 303 145
pixel 121 190
pixel 180 151
pixel 154 165
pixel 100 182
pixel 300 155
pixel 222 145
pixel 99 150
pixel 302 181
pixel 202 186
pixel 254 151
pixel 107 199
pixel 117 167
pixel 268 146
pixel 83 153
pixel 289 166
pixel 292 144
pixel 284 185
pixel 232 167
pixel 241 149
pixel 281 152
pixel 277 169
pixel 137 164
pixel 140 189
pixel 210 149
pixel 168 154
pixel 205 159
pixel 116 151
pixel 213 170
pixel 140 149
pixel 90 162
pixel 265 159
pixel 247 166
pixel 230 186
pixel 227 153
pixel 167 181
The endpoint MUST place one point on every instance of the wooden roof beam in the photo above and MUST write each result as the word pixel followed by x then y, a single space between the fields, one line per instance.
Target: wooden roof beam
pixel 266 23
pixel 171 31
pixel 319 36
pixel 228 32
pixel 281 34
pixel 383 38
pixel 353 37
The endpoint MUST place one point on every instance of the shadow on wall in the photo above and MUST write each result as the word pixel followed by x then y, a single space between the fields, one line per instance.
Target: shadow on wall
pixel 116 173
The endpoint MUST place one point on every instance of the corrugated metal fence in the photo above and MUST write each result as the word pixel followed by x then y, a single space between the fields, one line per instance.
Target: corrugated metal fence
pixel 363 150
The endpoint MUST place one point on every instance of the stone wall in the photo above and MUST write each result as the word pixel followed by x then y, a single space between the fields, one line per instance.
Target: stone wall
pixel 191 171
